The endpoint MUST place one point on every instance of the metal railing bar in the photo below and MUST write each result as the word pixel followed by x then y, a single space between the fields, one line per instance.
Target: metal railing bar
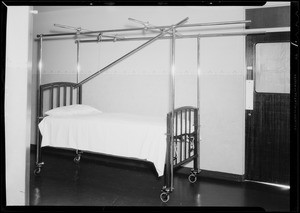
pixel 149 28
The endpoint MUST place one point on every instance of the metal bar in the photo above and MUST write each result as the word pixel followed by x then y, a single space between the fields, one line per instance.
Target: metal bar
pixel 181 135
pixel 51 98
pixel 181 37
pixel 78 64
pixel 198 104
pixel 65 96
pixel 39 100
pixel 185 133
pixel 39 79
pixel 131 52
pixel 186 161
pixel 149 28
pixel 167 176
pixel 172 102
pixel 41 104
pixel 196 145
pixel 176 121
pixel 198 72
pixel 58 97
pixel 79 95
pixel 189 146
pixel 176 126
pixel 71 95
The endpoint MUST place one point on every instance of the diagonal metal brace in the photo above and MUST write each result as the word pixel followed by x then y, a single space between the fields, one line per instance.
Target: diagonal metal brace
pixel 165 31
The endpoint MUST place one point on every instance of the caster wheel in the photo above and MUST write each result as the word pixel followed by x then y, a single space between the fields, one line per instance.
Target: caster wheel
pixel 77 159
pixel 37 171
pixel 192 178
pixel 164 197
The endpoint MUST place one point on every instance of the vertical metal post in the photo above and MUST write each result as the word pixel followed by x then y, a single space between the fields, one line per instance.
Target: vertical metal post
pixel 71 95
pixel 79 97
pixel 167 178
pixel 51 97
pixel 78 64
pixel 172 105
pixel 181 138
pixel 58 96
pixel 176 142
pixel 78 72
pixel 65 96
pixel 38 111
pixel 197 164
pixel 185 133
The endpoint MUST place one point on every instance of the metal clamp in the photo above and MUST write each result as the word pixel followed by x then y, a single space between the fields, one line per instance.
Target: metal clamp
pixel 78 30
pixel 115 38
pixel 40 164
pixel 99 37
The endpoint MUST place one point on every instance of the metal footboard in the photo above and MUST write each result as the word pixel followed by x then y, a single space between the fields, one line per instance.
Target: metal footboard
pixel 184 148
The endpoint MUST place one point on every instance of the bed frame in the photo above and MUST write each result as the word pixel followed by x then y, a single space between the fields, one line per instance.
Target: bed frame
pixel 182 145
pixel 63 93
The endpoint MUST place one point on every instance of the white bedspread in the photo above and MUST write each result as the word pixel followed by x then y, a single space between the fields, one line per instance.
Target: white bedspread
pixel 117 134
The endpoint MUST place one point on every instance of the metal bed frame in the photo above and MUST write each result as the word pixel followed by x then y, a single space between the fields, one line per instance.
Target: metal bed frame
pixel 183 144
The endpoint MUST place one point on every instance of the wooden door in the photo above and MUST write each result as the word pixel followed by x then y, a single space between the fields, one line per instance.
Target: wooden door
pixel 268 124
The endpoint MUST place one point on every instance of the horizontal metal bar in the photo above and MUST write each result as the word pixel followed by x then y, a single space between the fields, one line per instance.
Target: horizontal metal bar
pixel 170 37
pixel 185 161
pixel 57 84
pixel 131 52
pixel 148 28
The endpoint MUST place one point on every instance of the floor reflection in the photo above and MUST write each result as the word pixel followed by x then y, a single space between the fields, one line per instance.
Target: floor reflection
pixel 76 173
pixel 36 196
pixel 94 183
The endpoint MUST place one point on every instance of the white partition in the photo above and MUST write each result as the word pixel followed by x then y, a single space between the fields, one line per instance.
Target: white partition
pixel 18 104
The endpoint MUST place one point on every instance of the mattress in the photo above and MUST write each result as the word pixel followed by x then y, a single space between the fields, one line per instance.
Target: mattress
pixel 118 134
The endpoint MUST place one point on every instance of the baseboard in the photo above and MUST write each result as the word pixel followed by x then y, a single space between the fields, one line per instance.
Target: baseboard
pixel 217 175
pixel 114 160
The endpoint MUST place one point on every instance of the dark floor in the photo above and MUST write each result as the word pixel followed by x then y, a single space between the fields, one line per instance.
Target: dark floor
pixel 102 181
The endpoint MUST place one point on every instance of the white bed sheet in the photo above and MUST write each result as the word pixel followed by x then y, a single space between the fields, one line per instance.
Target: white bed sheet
pixel 117 134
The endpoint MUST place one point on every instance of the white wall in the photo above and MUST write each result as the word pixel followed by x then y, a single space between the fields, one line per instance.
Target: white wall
pixel 18 104
pixel 140 84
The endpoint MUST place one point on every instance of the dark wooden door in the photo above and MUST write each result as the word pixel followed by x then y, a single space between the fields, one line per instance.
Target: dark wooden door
pixel 268 124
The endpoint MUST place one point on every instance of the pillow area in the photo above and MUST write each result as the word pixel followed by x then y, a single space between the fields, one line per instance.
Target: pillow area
pixel 76 109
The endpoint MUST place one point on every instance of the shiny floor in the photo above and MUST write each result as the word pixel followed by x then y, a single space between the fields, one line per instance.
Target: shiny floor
pixel 103 181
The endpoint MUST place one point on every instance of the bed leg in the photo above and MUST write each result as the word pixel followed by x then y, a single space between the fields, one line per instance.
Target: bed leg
pixel 39 163
pixel 167 188
pixel 196 170
pixel 168 176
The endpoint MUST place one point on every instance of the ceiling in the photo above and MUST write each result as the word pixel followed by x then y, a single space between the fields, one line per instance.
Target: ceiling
pixel 42 9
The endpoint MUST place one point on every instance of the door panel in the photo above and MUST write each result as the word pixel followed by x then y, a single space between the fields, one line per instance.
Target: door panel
pixel 268 124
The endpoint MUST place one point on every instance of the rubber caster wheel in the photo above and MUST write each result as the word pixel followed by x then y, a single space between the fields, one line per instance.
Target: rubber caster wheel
pixel 37 171
pixel 77 159
pixel 192 178
pixel 164 197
